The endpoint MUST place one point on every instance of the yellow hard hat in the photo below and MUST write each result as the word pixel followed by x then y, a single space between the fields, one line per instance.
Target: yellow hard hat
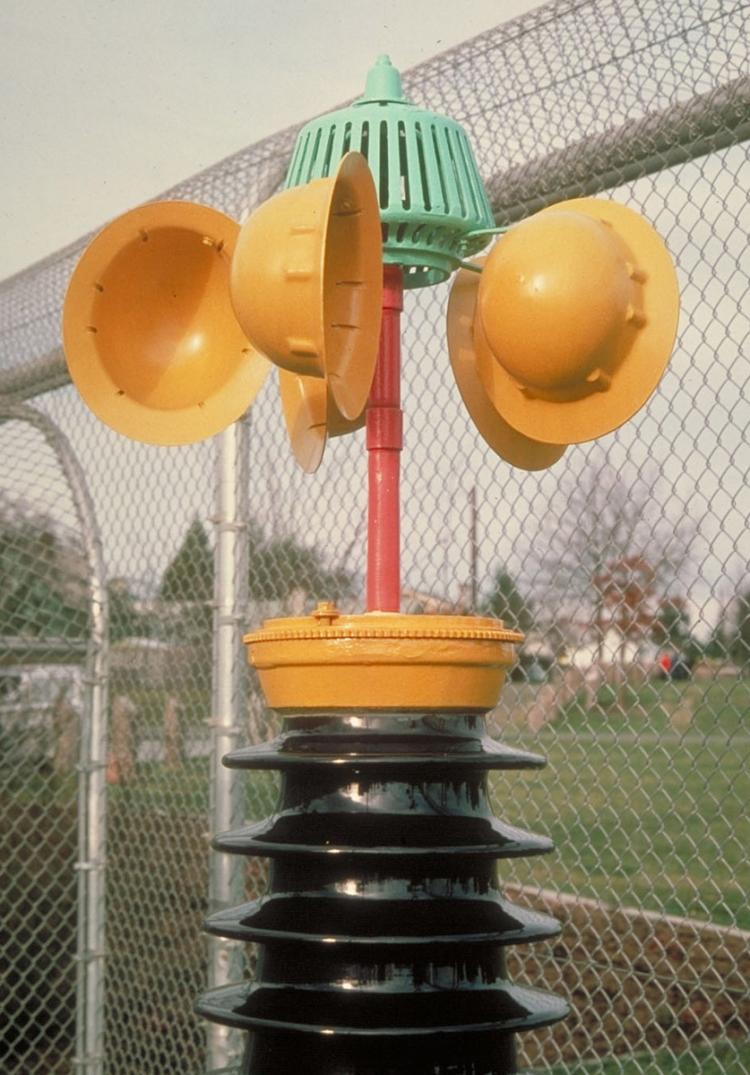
pixel 578 308
pixel 482 405
pixel 307 280
pixel 311 417
pixel 150 337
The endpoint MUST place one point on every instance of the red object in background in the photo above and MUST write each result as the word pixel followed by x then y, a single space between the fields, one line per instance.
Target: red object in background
pixel 665 663
pixel 384 443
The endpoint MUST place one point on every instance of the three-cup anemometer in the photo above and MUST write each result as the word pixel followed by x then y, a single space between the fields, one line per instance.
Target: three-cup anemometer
pixel 382 934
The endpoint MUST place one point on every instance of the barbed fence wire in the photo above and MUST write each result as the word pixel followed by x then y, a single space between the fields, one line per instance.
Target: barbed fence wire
pixel 633 679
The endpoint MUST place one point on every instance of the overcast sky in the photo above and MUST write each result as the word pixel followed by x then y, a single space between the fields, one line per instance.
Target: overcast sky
pixel 105 103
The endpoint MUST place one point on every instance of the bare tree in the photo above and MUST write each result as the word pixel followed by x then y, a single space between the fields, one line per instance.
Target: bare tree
pixel 609 558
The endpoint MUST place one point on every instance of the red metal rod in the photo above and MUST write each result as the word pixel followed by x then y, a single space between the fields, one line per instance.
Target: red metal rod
pixel 384 443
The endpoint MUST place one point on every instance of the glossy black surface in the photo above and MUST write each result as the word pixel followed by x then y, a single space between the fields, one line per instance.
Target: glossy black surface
pixel 382 936
pixel 429 742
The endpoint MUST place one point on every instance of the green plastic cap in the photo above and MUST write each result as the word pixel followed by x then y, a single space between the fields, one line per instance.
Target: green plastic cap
pixel 431 196
pixel 383 83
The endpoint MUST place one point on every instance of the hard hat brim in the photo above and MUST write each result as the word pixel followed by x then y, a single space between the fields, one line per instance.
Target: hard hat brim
pixel 304 405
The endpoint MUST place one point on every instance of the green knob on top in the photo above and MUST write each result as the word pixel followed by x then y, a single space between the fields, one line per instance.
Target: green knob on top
pixel 383 83
pixel 432 199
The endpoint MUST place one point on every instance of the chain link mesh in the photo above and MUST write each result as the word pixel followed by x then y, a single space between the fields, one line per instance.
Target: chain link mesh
pixel 44 617
pixel 626 564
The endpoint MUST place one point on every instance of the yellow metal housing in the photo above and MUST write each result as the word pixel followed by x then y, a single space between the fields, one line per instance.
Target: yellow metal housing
pixel 381 660
pixel 150 337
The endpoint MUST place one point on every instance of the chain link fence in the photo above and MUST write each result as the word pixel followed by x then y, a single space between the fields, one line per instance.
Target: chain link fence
pixel 626 564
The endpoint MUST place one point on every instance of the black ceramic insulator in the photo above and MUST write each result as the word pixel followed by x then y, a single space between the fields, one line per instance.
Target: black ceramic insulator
pixel 382 935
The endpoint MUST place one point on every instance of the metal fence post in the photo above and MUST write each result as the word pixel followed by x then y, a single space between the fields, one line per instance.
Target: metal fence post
pixel 226 879
pixel 92 762
pixel 92 830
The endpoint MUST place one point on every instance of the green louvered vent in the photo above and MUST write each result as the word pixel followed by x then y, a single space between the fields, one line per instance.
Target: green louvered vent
pixel 431 194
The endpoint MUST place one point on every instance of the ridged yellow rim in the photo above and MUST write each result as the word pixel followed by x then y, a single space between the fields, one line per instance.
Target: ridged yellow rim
pixel 381 661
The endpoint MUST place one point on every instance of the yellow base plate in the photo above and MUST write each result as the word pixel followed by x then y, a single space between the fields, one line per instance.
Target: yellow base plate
pixel 381 660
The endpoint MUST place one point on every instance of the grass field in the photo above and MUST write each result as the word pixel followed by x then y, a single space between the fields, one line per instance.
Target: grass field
pixel 724 1060
pixel 647 804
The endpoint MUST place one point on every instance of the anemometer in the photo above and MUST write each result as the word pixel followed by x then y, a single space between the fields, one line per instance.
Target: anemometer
pixel 382 935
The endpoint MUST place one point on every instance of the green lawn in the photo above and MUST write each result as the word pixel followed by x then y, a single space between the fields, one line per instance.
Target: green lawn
pixel 647 805
pixel 645 808
pixel 149 703
pixel 187 791
pixel 724 1060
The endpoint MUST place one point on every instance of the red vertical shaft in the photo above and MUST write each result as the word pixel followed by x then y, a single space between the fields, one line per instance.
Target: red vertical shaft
pixel 384 443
